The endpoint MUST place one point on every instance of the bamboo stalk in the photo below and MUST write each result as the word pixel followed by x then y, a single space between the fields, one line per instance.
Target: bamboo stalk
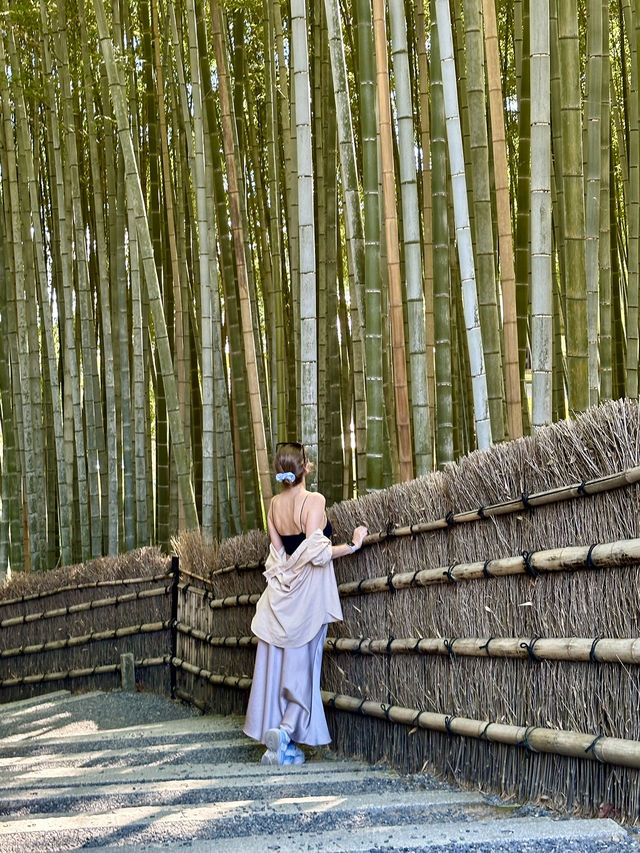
pixel 39 677
pixel 23 599
pixel 82 639
pixel 85 605
pixel 534 738
pixel 587 488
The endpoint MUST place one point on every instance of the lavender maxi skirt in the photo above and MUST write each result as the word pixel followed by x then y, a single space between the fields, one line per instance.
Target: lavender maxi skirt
pixel 286 692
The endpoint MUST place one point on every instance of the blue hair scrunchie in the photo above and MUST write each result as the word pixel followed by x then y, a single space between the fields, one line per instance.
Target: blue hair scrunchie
pixel 286 475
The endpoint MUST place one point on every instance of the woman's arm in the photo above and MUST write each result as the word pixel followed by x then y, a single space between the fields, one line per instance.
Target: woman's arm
pixel 350 548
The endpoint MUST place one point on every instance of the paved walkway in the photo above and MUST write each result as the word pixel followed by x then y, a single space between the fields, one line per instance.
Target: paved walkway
pixel 135 772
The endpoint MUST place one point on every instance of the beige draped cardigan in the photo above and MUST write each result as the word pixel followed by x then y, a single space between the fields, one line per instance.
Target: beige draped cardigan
pixel 301 594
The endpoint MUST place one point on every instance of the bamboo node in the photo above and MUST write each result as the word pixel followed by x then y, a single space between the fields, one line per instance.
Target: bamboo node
pixel 485 646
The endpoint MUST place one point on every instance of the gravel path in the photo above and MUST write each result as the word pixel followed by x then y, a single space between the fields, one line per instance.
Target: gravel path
pixel 137 772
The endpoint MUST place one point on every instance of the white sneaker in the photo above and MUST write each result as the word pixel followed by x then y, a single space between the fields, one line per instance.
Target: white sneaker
pixel 293 755
pixel 277 740
pixel 269 757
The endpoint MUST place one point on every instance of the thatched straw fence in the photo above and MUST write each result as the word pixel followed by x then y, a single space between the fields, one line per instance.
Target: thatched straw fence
pixel 68 628
pixel 492 621
pixel 491 630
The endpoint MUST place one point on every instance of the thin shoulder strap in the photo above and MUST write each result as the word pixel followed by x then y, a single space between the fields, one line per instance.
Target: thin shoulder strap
pixel 301 508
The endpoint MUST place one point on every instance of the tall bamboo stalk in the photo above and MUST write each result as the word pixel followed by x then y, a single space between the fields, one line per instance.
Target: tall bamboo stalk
pixel 400 386
pixel 463 230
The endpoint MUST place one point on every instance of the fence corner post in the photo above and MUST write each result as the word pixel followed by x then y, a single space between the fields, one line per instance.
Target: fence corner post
pixel 175 570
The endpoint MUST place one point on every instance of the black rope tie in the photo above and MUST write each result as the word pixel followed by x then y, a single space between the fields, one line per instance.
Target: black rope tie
pixel 485 570
pixel 485 646
pixel 386 710
pixel 412 532
pixel 416 720
pixel 589 559
pixel 449 573
pixel 530 648
pixel 390 582
pixel 360 707
pixel 449 518
pixel 528 565
pixel 360 585
pixel 582 489
pixel 524 497
pixel 389 532
pixel 525 741
pixel 447 722
pixel 481 512
pixel 592 653
pixel 332 700
pixel 448 644
pixel 359 649
pixel 185 589
pixel 592 748
pixel 391 639
pixel 416 648
pixel 483 733
pixel 236 567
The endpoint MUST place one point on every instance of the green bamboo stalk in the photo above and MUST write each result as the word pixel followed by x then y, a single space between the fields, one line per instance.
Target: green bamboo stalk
pixel 134 192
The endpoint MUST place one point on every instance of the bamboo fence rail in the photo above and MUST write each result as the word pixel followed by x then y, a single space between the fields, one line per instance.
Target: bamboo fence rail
pixel 585 649
pixel 610 750
pixel 624 552
pixel 139 595
pixel 102 669
pixel 25 599
pixel 83 639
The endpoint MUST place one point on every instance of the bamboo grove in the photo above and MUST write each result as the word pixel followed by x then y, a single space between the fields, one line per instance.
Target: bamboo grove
pixel 396 231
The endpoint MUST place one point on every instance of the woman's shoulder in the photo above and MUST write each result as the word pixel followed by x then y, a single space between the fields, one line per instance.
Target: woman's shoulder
pixel 315 499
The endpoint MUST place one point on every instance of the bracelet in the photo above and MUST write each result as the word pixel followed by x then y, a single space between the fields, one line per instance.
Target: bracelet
pixel 353 547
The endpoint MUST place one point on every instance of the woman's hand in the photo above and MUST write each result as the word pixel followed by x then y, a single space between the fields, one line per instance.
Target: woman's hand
pixel 358 535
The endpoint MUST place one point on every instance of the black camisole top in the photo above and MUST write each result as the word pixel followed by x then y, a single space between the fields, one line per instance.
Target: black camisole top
pixel 294 540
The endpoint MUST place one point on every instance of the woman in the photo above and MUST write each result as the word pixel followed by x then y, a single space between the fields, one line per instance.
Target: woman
pixel 301 598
